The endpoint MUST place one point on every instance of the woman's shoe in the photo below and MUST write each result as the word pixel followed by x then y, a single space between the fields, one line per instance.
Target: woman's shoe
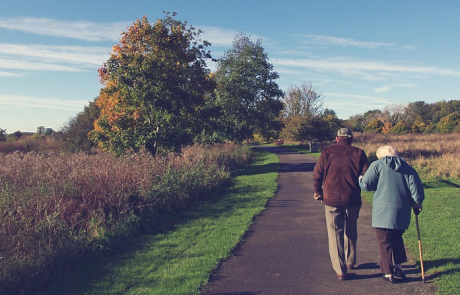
pixel 399 273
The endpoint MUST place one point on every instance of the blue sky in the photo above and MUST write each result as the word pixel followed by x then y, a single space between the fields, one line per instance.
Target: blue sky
pixel 360 55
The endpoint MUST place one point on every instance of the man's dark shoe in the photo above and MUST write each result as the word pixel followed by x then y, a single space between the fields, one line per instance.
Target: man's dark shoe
pixel 388 279
pixel 342 277
pixel 399 273
pixel 350 266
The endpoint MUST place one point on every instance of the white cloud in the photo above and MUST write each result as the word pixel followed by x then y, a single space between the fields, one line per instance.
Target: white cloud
pixel 86 56
pixel 218 36
pixel 30 102
pixel 343 42
pixel 382 89
pixel 349 66
pixel 28 65
pixel 9 74
pixel 81 30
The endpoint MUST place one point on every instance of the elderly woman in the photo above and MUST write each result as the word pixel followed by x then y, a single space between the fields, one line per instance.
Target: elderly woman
pixel 397 189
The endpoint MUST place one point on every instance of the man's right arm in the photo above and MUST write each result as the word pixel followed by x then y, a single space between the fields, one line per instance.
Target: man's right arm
pixel 318 174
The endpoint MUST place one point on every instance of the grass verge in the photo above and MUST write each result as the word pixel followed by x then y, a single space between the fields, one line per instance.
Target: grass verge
pixel 181 259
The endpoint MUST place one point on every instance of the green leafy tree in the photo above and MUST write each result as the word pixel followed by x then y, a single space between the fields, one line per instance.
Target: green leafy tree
pixel 75 132
pixel 448 123
pixel 41 131
pixel 399 128
pixel 247 96
pixel 2 134
pixel 355 123
pixel 155 84
pixel 374 126
pixel 419 125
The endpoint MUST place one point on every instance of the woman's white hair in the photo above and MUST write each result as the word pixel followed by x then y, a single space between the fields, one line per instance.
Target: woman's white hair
pixel 386 151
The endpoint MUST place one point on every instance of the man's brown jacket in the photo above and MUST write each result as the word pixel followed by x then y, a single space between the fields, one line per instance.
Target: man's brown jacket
pixel 336 174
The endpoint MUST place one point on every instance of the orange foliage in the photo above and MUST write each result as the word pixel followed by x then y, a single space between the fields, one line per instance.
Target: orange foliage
pixel 387 127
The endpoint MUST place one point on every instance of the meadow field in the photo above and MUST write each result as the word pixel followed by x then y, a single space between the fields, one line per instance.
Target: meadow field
pixel 56 207
pixel 434 156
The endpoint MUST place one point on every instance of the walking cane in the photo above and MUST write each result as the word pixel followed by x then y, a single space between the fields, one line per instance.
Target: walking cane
pixel 420 247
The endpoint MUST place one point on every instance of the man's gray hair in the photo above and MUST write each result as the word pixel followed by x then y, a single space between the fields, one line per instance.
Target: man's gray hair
pixel 386 151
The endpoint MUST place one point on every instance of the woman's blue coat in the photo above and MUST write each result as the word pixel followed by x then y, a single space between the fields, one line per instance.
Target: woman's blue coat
pixel 397 187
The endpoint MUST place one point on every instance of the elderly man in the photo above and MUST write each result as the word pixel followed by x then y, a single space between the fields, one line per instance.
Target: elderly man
pixel 335 181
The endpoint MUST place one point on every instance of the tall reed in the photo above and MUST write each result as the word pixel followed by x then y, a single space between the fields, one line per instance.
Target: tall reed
pixel 54 207
pixel 434 156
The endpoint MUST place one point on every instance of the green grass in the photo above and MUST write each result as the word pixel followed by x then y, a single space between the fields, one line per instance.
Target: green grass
pixel 304 149
pixel 181 259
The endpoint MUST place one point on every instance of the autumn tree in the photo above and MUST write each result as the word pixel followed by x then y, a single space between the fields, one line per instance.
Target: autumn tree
pixel 247 96
pixel 305 119
pixel 154 82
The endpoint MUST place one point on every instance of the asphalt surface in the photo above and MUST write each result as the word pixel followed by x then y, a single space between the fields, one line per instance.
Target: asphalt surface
pixel 286 249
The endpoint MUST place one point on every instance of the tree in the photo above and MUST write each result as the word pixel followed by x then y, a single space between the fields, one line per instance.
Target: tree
pixel 304 116
pixel 418 126
pixel 2 134
pixel 41 130
pixel 75 132
pixel 17 134
pixel 374 126
pixel 448 123
pixel 247 95
pixel 370 116
pixel 399 128
pixel 154 82
pixel 355 123
pixel 302 100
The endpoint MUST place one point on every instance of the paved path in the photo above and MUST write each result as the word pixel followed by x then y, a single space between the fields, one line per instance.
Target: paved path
pixel 285 251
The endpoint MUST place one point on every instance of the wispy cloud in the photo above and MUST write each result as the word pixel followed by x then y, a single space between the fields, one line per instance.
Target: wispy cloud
pixel 343 42
pixel 218 36
pixel 9 74
pixel 28 102
pixel 387 88
pixel 29 65
pixel 81 55
pixel 50 58
pixel 359 99
pixel 349 66
pixel 382 89
pixel 81 30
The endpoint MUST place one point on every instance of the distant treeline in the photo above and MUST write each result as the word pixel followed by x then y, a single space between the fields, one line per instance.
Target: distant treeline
pixel 414 117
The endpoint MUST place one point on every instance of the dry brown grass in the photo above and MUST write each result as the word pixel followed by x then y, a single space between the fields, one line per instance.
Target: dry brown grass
pixel 31 143
pixel 434 156
pixel 54 206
